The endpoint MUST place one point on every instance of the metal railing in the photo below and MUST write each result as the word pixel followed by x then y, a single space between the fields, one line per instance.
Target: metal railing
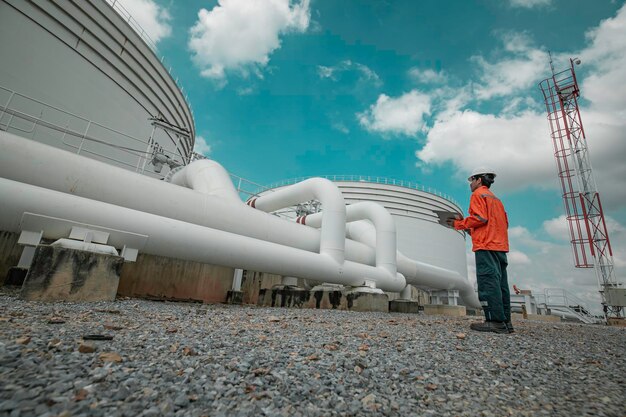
pixel 19 114
pixel 132 22
pixel 563 302
pixel 363 178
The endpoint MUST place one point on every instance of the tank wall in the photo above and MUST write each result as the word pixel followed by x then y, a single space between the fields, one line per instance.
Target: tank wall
pixel 84 59
pixel 431 243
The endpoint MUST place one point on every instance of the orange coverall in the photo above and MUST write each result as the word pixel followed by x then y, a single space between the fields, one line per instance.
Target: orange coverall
pixel 487 224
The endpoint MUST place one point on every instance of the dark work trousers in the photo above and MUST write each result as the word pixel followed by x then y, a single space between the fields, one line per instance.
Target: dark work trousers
pixel 493 285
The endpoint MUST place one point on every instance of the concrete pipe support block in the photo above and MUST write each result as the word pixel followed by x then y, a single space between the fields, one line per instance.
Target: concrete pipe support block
pixel 61 274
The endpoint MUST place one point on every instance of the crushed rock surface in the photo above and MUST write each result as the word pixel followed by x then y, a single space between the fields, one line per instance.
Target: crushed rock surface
pixel 136 357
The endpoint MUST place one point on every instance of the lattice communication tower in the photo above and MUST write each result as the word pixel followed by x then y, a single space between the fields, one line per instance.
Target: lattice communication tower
pixel 583 208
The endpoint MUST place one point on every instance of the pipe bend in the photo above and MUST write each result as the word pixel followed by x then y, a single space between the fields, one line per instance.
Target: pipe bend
pixel 332 236
pixel 207 177
pixel 377 214
pixel 313 188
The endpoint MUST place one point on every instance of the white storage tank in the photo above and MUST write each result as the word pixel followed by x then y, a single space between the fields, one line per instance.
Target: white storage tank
pixel 77 76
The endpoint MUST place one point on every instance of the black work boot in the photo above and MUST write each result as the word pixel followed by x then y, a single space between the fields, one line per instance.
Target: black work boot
pixel 490 326
pixel 509 326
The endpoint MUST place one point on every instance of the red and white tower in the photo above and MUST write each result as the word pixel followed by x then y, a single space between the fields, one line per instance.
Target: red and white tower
pixel 583 208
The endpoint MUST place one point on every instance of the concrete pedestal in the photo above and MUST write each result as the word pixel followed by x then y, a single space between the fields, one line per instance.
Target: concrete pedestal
pixel 618 322
pixel 444 310
pixel 71 275
pixel 357 300
pixel 404 306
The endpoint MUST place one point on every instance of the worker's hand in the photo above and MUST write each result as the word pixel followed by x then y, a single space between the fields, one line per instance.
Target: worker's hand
pixel 450 221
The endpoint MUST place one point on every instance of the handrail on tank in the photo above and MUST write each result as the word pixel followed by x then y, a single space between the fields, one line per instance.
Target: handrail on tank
pixel 362 178
pixel 66 130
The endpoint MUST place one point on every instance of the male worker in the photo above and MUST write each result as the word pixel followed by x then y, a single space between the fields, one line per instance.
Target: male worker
pixel 487 224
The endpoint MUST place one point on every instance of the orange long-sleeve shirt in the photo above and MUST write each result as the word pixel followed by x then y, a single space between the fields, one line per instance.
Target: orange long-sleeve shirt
pixel 487 222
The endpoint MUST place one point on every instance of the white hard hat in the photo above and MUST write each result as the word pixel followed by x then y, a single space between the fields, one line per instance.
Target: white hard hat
pixel 481 171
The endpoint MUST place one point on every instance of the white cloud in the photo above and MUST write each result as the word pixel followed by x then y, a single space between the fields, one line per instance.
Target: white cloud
pixel 151 17
pixel 428 76
pixel 557 228
pixel 341 127
pixel 366 74
pixel 201 146
pixel 520 70
pixel 518 148
pixel 518 232
pixel 613 226
pixel 325 72
pixel 605 87
pixel 518 258
pixel 529 4
pixel 242 34
pixel 402 115
pixel 245 91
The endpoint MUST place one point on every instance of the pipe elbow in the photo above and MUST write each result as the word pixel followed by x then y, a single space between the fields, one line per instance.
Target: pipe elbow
pixel 313 188
pixel 207 177
pixel 376 213
pixel 327 192
pixel 396 281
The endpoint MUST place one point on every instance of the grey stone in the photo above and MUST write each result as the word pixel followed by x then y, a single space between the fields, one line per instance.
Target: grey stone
pixel 182 400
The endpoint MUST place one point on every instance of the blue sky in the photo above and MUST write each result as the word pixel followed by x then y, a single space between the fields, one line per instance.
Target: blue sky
pixel 413 90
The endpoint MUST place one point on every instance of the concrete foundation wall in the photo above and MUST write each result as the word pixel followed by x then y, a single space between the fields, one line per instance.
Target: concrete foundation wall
pixel 173 279
pixel 10 253
pixel 252 282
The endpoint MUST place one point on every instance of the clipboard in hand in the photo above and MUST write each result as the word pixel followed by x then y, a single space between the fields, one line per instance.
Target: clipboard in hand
pixel 445 215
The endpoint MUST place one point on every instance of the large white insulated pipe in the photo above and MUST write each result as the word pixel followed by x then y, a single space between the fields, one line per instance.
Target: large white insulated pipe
pixel 384 229
pixel 207 177
pixel 180 240
pixel 333 218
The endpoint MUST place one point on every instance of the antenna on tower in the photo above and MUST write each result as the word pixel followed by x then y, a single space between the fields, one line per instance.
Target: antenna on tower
pixel 551 63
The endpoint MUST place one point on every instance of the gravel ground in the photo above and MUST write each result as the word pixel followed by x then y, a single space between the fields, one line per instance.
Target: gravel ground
pixel 193 360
